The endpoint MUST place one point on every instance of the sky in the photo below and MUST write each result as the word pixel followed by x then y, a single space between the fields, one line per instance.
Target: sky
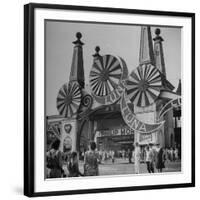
pixel 114 39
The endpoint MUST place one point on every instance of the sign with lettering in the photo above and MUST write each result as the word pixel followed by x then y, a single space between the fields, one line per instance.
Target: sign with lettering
pixel 132 121
pixel 112 97
pixel 145 138
pixel 171 104
pixel 116 132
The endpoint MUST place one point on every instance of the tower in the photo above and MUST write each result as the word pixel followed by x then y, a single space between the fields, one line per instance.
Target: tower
pixel 159 59
pixel 168 129
pixel 77 70
pixel 70 104
pixel 158 52
pixel 146 46
pixel 148 114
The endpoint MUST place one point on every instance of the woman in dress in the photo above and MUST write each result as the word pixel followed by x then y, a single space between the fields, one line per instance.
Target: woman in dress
pixel 54 160
pixel 91 167
pixel 160 160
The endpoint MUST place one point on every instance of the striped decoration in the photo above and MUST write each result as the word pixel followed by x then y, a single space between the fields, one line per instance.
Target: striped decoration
pixel 68 99
pixel 105 75
pixel 143 85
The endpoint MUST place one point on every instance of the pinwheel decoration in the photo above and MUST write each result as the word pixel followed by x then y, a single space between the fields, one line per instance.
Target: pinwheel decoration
pixel 105 75
pixel 69 99
pixel 143 85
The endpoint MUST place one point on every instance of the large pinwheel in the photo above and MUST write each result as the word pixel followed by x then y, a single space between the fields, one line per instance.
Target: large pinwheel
pixel 68 99
pixel 105 75
pixel 143 85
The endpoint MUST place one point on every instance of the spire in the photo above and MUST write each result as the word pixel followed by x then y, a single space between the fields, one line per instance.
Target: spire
pixel 178 91
pixel 158 52
pixel 146 46
pixel 77 71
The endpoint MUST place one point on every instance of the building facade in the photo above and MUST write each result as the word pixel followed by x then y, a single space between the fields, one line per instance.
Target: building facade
pixel 104 123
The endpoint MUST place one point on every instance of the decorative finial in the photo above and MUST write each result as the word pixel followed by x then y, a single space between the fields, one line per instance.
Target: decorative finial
pixel 158 37
pixel 157 31
pixel 78 35
pixel 78 41
pixel 97 49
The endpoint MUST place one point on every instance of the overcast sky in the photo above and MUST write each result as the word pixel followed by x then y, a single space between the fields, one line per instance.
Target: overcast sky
pixel 119 40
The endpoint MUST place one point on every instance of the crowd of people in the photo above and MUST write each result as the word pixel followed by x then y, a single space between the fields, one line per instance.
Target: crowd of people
pixel 155 157
pixel 61 164
pixel 67 165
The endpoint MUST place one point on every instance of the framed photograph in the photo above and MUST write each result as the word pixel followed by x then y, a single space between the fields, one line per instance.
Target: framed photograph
pixel 108 99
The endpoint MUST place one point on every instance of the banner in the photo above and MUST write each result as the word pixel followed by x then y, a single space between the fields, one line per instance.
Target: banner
pixel 171 104
pixel 111 98
pixel 145 138
pixel 132 121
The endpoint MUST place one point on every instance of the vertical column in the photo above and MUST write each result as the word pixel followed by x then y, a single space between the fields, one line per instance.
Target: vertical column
pixel 77 69
pixel 160 64
pixel 71 124
pixel 158 52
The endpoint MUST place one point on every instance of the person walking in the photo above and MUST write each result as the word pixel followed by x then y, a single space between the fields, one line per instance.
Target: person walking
pixel 73 166
pixel 123 154
pixel 160 160
pixel 137 158
pixel 171 154
pixel 176 154
pixel 129 156
pixel 148 159
pixel 113 156
pixel 91 167
pixel 151 158
pixel 156 149
pixel 54 160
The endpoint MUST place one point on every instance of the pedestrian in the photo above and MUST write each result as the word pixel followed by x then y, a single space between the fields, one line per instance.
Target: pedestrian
pixel 100 156
pixel 156 149
pixel 103 156
pixel 160 160
pixel 73 166
pixel 151 158
pixel 129 155
pixel 91 167
pixel 148 159
pixel 176 154
pixel 113 156
pixel 173 151
pixel 133 154
pixel 137 158
pixel 172 154
pixel 54 160
pixel 123 154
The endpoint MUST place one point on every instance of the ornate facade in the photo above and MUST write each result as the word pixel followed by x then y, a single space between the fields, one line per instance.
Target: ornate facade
pixel 110 109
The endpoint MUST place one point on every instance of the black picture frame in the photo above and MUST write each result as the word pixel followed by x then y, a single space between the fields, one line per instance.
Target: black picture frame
pixel 29 95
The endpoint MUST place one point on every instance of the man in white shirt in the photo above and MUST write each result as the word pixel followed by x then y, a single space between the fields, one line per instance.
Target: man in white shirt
pixel 137 158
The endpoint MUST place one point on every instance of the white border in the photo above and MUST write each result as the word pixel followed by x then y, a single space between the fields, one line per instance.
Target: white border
pixel 42 185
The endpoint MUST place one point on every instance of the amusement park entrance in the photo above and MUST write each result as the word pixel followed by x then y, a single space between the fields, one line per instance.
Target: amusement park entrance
pixel 108 129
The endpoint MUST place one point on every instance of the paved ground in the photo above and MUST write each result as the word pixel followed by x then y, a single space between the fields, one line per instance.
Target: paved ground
pixel 123 167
